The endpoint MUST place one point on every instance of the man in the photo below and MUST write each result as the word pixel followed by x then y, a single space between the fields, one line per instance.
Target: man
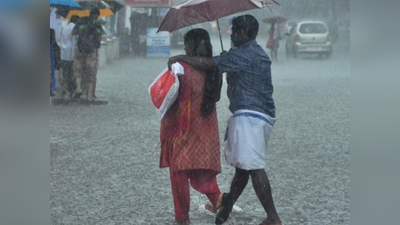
pixel 67 45
pixel 250 93
pixel 55 61
pixel 134 19
pixel 89 33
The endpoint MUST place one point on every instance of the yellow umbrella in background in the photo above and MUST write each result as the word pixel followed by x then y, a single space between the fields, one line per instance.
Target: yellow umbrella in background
pixel 106 8
pixel 85 13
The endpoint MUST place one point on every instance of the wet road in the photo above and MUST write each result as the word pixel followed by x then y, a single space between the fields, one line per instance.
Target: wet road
pixel 104 161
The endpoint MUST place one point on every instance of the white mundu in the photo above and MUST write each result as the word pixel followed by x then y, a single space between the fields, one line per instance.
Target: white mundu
pixel 247 137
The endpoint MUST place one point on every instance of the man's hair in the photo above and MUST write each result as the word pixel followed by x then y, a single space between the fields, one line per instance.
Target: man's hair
pixel 74 19
pixel 248 23
pixel 95 12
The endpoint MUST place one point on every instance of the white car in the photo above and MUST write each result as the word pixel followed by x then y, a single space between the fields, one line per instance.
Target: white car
pixel 309 37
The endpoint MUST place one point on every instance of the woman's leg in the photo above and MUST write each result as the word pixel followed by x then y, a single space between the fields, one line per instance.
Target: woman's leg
pixel 180 193
pixel 205 182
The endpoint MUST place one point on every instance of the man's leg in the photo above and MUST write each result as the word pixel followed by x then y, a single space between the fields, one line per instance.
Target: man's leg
pixel 68 76
pixel 238 184
pixel 78 70
pixel 63 72
pixel 91 72
pixel 94 88
pixel 262 188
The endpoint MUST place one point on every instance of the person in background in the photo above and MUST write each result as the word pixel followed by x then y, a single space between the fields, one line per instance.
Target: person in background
pixel 273 41
pixel 103 23
pixel 189 131
pixel 250 91
pixel 89 32
pixel 134 36
pixel 54 59
pixel 67 44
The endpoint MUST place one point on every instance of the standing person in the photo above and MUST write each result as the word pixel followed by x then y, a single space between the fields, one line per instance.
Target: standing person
pixel 189 131
pixel 89 33
pixel 273 41
pixel 67 45
pixel 134 19
pixel 250 94
pixel 55 61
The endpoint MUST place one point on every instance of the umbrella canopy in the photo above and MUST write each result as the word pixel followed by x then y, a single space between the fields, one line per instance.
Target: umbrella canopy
pixel 106 8
pixel 198 11
pixel 275 19
pixel 64 3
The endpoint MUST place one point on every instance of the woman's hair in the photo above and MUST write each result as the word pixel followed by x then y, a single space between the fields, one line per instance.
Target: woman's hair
pixel 200 40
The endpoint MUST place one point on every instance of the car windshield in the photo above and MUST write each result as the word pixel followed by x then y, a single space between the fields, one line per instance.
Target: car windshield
pixel 313 28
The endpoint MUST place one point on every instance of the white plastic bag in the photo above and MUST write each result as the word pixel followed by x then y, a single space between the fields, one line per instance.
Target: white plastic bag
pixel 164 89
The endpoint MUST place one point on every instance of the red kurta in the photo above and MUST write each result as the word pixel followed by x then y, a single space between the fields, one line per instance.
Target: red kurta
pixel 201 148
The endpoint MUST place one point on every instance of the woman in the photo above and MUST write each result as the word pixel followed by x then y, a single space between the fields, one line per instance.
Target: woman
pixel 189 131
pixel 273 41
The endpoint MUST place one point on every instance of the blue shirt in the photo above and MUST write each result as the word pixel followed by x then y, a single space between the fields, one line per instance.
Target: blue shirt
pixel 249 78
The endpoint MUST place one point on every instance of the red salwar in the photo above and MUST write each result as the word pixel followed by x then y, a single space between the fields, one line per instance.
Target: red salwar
pixel 203 181
pixel 190 145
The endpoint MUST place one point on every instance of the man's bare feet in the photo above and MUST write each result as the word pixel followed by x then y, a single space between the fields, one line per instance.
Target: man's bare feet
pixel 271 222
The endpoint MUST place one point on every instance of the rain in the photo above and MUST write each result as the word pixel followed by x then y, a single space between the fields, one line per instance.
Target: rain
pixel 105 153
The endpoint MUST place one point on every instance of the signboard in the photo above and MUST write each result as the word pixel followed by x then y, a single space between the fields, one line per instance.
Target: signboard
pixel 148 3
pixel 158 44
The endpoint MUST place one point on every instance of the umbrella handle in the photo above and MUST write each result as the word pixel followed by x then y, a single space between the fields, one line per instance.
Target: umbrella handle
pixel 220 38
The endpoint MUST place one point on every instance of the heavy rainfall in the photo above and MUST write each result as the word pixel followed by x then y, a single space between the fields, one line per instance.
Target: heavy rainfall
pixel 105 131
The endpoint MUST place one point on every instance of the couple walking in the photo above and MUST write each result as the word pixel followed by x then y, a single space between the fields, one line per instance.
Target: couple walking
pixel 189 131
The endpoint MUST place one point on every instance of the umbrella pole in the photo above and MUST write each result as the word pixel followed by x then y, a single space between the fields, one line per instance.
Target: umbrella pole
pixel 220 38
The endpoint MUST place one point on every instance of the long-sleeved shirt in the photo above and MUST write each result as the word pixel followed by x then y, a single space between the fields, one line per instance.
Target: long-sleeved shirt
pixel 249 78
pixel 67 43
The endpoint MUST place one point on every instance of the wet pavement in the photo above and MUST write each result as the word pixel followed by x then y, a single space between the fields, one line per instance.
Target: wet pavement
pixel 104 158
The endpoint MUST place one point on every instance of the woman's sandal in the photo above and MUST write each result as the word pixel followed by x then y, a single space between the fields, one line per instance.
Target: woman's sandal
pixel 214 209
